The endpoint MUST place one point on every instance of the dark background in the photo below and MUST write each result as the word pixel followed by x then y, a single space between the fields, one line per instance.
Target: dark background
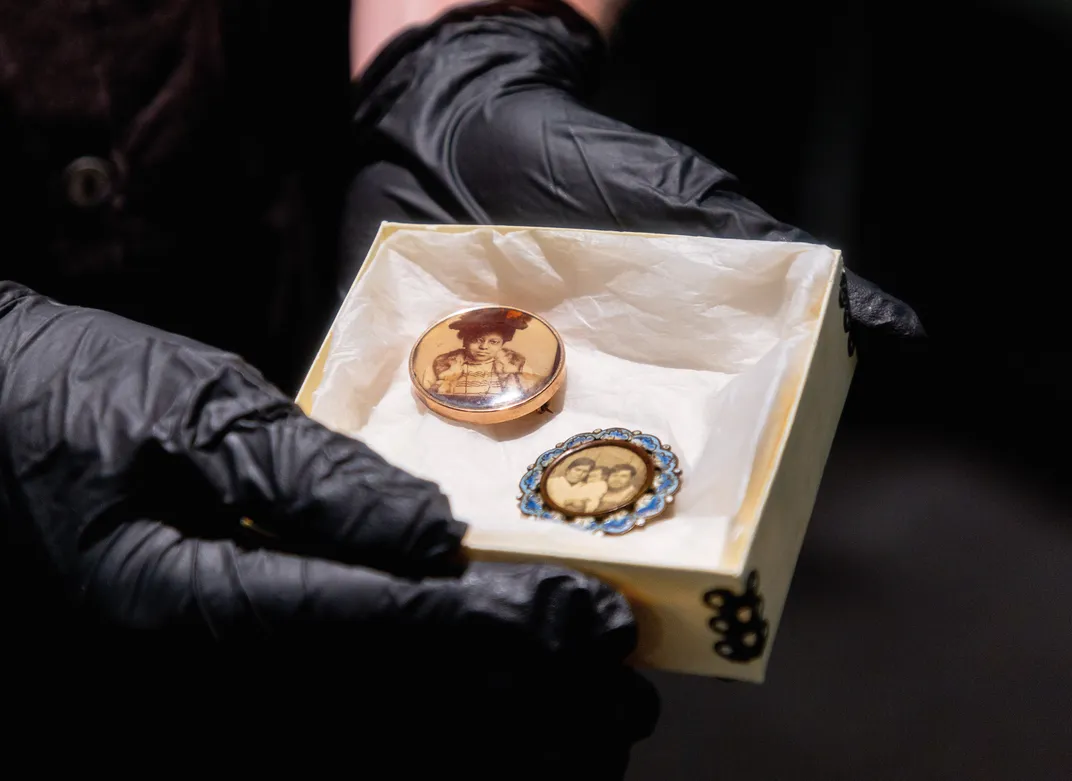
pixel 928 633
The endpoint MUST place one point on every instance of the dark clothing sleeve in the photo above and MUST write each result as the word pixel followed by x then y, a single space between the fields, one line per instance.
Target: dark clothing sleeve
pixel 178 162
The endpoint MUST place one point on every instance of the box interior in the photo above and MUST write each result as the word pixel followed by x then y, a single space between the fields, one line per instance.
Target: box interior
pixel 701 342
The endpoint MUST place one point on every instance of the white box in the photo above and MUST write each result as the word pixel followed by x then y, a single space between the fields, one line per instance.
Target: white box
pixel 709 615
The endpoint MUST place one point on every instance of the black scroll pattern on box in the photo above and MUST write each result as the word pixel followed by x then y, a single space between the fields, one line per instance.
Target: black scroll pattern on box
pixel 846 315
pixel 738 621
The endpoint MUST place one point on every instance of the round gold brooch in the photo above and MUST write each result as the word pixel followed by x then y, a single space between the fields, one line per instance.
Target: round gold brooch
pixel 488 365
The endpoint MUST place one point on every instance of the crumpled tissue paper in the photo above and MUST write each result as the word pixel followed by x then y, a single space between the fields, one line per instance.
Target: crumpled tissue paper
pixel 690 339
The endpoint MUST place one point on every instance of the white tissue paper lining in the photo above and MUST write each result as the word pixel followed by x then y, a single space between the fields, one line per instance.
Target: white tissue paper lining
pixel 690 339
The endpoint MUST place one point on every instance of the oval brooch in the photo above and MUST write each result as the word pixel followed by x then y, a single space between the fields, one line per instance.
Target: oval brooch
pixel 610 481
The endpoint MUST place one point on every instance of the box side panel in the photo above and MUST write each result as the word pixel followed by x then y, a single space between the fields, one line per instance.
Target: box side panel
pixel 788 508
pixel 772 449
pixel 314 377
pixel 674 611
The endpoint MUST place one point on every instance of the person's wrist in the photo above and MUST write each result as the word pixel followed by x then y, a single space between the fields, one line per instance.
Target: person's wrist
pixel 602 14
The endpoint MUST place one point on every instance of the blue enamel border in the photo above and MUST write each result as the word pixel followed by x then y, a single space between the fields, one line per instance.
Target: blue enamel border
pixel 665 484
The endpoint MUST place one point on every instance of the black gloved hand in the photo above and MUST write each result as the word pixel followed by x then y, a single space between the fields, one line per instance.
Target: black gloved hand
pixel 877 315
pixel 128 456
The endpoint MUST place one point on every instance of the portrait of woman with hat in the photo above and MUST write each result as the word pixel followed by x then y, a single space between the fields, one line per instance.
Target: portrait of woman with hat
pixel 483 367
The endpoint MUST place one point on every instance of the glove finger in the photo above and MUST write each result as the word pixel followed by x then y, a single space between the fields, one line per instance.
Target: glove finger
pixel 108 420
pixel 550 610
pixel 147 575
pixel 879 312
pixel 322 492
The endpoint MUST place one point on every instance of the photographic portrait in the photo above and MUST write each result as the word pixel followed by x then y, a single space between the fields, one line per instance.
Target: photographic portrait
pixel 487 358
pixel 597 479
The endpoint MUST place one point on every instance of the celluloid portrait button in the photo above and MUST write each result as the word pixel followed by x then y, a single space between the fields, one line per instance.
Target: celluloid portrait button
pixel 609 481
pixel 488 365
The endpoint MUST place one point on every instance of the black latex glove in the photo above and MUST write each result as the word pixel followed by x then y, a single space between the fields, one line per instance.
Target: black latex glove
pixel 486 91
pixel 128 455
pixel 879 318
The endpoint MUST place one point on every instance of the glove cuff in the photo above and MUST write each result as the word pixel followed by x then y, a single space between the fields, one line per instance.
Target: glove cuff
pixel 11 292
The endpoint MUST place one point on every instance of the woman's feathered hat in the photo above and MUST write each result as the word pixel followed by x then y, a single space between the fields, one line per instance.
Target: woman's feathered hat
pixel 500 320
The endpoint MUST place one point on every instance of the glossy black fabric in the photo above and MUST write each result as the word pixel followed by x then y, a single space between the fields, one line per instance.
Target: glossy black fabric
pixel 482 117
pixel 108 423
pixel 127 457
